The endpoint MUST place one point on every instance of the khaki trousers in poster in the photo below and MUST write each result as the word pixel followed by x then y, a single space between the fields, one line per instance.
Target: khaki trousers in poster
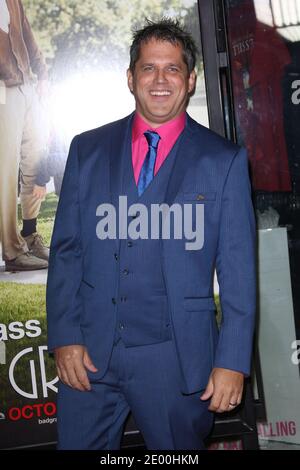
pixel 22 145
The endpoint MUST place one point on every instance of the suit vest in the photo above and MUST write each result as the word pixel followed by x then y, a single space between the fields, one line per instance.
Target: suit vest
pixel 142 310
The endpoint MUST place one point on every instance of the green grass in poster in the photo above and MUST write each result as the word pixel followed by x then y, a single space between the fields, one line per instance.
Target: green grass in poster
pixel 22 302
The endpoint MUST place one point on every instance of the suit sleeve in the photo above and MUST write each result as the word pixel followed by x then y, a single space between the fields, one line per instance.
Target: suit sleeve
pixel 236 269
pixel 64 306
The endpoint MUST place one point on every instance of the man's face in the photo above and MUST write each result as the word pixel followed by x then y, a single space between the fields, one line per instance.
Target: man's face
pixel 160 82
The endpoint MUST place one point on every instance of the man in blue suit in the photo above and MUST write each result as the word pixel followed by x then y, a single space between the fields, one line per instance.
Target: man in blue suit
pixel 131 318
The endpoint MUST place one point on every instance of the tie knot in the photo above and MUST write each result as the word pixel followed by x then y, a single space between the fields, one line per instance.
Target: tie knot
pixel 152 138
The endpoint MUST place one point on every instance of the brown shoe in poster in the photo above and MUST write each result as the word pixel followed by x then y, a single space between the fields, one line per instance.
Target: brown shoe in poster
pixel 25 262
pixel 36 246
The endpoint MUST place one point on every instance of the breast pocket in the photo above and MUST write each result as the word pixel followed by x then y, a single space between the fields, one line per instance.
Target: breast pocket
pixel 201 197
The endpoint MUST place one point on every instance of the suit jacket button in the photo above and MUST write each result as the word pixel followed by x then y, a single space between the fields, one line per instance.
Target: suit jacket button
pixel 129 244
pixel 113 300
pixel 116 256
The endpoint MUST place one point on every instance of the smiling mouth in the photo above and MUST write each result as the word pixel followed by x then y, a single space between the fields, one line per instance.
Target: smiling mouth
pixel 160 93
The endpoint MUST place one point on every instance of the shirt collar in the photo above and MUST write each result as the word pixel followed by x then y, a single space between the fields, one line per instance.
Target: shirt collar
pixel 175 126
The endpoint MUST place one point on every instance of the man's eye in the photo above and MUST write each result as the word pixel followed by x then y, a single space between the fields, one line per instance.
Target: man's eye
pixel 148 68
pixel 173 69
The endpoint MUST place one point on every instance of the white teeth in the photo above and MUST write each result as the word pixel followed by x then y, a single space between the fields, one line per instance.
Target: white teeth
pixel 160 93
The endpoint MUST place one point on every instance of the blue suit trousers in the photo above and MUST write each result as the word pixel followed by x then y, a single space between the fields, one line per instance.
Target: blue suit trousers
pixel 146 381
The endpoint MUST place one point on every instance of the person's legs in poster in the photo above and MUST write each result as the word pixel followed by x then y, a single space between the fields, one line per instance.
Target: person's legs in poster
pixel 15 251
pixel 33 149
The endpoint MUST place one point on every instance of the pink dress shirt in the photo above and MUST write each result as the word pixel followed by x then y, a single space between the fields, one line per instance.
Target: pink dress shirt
pixel 169 133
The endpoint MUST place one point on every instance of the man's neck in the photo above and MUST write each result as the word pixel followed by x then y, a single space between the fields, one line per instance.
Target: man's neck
pixel 156 125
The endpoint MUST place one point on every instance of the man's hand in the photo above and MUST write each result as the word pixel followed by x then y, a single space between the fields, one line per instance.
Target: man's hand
pixel 39 192
pixel 72 362
pixel 225 386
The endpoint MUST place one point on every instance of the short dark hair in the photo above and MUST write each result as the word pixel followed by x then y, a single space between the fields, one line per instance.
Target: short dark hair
pixel 164 30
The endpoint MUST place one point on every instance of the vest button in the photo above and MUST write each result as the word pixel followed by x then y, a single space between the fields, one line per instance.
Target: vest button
pixel 121 326
pixel 129 244
pixel 125 271
pixel 116 256
pixel 113 300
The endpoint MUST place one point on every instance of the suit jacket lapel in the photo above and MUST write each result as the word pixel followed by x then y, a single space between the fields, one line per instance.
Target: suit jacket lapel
pixel 187 152
pixel 119 141
pixel 118 148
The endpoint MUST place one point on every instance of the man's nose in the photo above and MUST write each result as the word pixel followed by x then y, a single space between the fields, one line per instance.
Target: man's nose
pixel 160 76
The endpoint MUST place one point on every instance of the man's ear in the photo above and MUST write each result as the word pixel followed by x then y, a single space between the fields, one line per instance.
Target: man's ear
pixel 130 80
pixel 192 81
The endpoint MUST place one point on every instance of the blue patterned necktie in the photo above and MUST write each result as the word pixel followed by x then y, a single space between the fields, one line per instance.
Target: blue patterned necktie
pixel 147 171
